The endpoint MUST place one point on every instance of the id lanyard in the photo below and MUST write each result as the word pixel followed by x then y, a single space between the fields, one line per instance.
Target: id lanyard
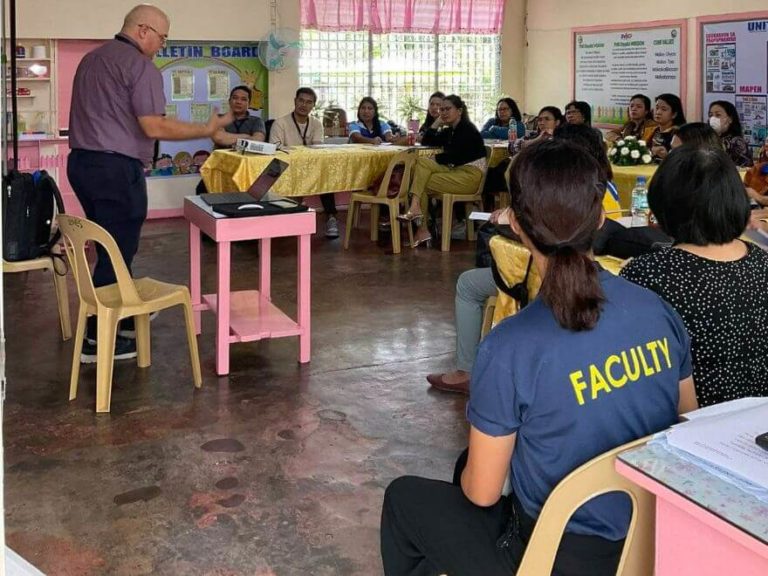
pixel 306 127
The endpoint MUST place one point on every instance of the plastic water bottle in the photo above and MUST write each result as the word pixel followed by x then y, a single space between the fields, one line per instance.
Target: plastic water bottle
pixel 512 129
pixel 336 127
pixel 640 210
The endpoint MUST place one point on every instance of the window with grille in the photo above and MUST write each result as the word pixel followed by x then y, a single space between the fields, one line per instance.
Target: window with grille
pixel 400 70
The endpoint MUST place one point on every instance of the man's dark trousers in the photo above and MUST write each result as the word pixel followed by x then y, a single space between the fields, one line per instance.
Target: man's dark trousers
pixel 113 193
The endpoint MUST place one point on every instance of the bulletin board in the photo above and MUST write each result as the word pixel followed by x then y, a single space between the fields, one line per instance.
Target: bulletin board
pixel 733 56
pixel 612 63
pixel 197 77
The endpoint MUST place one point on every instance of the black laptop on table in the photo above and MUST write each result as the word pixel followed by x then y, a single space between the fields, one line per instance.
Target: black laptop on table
pixel 257 200
pixel 257 190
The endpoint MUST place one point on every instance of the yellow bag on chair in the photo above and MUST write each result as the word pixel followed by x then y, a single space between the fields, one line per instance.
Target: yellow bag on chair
pixel 513 262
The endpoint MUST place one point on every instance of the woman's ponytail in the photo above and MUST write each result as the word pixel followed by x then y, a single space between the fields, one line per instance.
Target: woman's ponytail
pixel 556 191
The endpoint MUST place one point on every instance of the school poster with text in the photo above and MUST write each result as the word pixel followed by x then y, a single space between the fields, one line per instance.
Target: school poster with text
pixel 735 68
pixel 197 78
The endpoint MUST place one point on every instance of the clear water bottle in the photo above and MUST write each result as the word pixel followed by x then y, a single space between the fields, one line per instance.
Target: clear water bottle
pixel 512 129
pixel 640 210
pixel 336 126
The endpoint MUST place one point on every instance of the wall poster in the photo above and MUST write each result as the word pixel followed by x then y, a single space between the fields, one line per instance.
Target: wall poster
pixel 198 76
pixel 735 68
pixel 612 65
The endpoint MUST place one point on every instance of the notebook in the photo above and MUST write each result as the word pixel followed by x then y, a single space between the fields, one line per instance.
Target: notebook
pixel 258 191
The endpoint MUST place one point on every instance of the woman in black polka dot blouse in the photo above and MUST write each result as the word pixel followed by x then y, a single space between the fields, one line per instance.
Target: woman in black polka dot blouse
pixel 717 283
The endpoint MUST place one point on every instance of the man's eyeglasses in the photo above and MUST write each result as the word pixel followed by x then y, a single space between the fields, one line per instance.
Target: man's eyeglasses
pixel 163 37
pixel 305 101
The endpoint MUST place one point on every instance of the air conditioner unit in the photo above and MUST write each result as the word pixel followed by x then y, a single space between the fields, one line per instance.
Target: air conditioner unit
pixel 254 146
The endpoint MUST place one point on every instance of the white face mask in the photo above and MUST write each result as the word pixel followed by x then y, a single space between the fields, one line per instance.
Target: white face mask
pixel 715 123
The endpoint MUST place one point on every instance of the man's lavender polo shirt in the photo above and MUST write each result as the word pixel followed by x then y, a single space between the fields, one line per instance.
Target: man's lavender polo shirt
pixel 114 85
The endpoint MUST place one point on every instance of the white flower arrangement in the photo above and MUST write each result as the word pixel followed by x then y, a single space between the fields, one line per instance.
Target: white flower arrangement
pixel 630 151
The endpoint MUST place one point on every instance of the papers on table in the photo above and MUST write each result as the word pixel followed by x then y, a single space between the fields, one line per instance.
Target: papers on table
pixel 721 440
pixel 481 216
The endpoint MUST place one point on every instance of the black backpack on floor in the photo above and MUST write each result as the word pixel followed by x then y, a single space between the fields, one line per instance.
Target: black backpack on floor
pixel 30 204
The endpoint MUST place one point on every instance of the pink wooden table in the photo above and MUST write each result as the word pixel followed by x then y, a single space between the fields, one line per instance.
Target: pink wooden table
pixel 248 315
pixel 704 525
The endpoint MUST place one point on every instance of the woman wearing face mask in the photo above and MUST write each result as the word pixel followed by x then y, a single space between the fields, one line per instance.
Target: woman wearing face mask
pixel 498 126
pixel 725 121
pixel 668 114
pixel 640 125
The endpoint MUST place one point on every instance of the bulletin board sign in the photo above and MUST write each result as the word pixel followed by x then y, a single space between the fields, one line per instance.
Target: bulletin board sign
pixel 612 63
pixel 197 77
pixel 734 67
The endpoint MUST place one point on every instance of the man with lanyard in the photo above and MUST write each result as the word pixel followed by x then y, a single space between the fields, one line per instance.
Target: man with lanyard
pixel 300 129
pixel 244 124
pixel 118 111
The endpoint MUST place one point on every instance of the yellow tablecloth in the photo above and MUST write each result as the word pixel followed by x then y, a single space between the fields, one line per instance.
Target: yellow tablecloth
pixel 311 170
pixel 625 176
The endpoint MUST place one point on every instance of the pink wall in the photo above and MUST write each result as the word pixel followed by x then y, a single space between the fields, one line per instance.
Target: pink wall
pixel 68 55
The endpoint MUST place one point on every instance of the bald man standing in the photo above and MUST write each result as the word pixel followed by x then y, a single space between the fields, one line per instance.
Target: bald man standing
pixel 117 113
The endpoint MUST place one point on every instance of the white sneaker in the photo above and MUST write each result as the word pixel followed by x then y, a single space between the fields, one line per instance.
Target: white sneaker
pixel 331 227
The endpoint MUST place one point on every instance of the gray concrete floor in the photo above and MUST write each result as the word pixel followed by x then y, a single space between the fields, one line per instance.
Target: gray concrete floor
pixel 276 469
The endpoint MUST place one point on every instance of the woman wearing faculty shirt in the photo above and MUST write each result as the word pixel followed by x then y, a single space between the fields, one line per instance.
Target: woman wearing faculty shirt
pixel 552 387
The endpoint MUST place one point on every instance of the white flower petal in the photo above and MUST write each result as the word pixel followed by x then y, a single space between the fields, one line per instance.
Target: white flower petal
pixel 647 158
pixel 635 154
pixel 624 151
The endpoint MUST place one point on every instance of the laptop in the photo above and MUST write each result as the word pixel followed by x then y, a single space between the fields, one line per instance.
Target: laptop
pixel 258 192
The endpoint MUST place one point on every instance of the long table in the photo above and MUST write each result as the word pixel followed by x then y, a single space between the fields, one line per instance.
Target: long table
pixel 312 170
pixel 625 177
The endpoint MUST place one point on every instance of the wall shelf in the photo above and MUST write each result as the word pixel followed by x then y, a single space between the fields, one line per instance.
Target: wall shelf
pixel 37 108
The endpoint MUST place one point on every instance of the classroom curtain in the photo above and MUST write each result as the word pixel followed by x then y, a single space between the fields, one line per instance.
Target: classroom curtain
pixel 404 16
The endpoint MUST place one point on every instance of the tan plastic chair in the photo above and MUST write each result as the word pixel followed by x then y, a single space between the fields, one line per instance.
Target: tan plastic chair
pixel 470 200
pixel 596 477
pixel 512 261
pixel 126 298
pixel 488 309
pixel 381 197
pixel 59 283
